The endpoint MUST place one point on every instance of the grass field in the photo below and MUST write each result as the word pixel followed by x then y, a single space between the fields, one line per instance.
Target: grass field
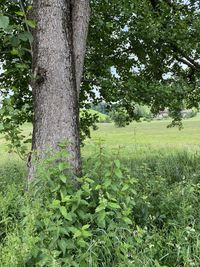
pixel 153 134
pixel 149 136
pixel 4 155
pixel 152 168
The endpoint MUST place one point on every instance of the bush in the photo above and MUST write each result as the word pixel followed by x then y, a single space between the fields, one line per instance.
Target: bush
pixel 106 119
pixel 143 112
pixel 120 118
pixel 71 226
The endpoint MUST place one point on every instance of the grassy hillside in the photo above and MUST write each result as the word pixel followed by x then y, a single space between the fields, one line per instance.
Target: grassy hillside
pixel 102 117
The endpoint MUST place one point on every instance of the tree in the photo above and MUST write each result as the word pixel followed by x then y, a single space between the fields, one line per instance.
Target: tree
pixel 151 45
pixel 120 117
pixel 58 56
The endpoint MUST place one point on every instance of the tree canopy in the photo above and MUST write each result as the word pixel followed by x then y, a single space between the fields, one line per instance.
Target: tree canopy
pixel 144 51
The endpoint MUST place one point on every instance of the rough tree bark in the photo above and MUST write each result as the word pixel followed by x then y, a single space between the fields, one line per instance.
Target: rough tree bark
pixel 58 56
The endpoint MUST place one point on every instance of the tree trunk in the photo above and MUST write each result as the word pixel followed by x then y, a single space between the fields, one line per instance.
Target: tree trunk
pixel 58 56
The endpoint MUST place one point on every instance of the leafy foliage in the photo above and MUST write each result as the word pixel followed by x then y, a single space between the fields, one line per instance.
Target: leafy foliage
pixel 15 47
pixel 67 224
pixel 120 117
pixel 144 53
pixel 147 45
pixel 114 218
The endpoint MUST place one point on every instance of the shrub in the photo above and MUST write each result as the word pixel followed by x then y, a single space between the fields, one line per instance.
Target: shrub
pixel 120 118
pixel 70 226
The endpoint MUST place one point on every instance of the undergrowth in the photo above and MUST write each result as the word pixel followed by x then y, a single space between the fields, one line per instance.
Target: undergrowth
pixel 142 213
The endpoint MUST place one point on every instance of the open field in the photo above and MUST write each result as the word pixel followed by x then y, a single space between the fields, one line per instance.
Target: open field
pixel 153 135
pixel 157 176
pixel 149 136
pixel 4 155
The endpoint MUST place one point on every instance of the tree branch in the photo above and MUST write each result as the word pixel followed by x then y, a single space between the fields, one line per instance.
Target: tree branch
pixel 186 63
pixel 186 59
pixel 174 6
pixel 190 60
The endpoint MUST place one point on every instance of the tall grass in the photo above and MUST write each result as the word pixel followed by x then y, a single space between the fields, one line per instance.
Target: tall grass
pixel 164 212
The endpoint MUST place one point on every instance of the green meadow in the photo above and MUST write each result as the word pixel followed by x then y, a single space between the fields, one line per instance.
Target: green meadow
pixel 145 137
pixel 150 172
pixel 154 134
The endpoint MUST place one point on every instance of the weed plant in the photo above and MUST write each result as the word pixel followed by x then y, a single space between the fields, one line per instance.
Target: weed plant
pixel 143 212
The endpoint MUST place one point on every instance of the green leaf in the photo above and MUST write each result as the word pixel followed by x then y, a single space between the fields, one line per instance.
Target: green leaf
pixel 157 264
pixel 113 205
pixel 77 233
pixel 81 242
pixel 117 163
pixel 125 187
pixel 98 187
pixel 15 41
pixel 101 219
pixel 62 166
pixel 4 22
pixel 107 183
pixel 29 140
pixel 63 245
pixel 26 36
pixel 83 215
pixel 86 233
pixel 29 7
pixel 56 203
pixel 118 173
pixel 30 23
pixel 108 173
pixel 55 189
pixel 100 207
pixel 14 51
pixel 70 244
pixel 63 178
pixel 65 214
pixel 20 13
pixel 86 226
pixel 127 220
pixel 65 198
